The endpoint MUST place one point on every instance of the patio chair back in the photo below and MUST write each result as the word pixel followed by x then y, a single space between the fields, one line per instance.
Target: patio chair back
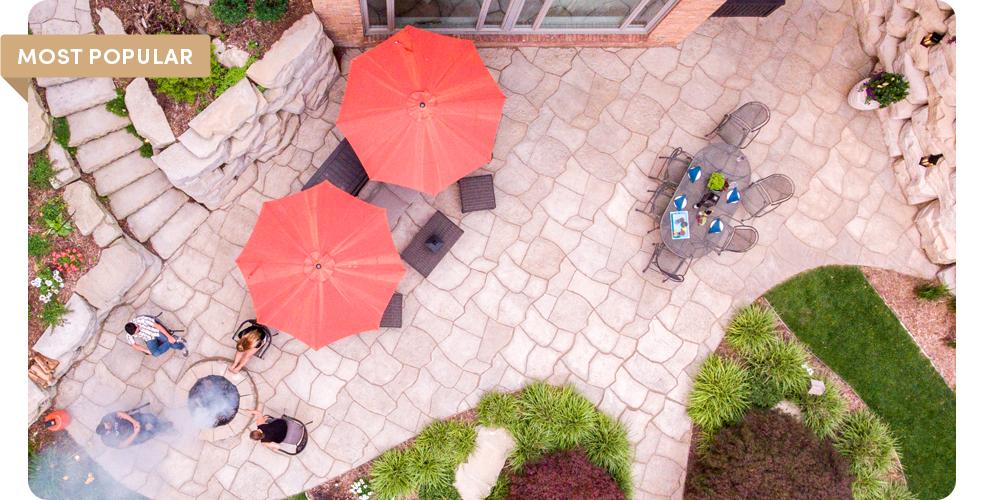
pixel 765 195
pixel 266 335
pixel 297 436
pixel 742 126
pixel 343 169
pixel 674 166
pixel 672 266
pixel 740 239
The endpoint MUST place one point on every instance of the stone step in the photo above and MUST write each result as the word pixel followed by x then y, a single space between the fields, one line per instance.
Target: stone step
pixel 52 81
pixel 79 95
pixel 93 123
pixel 146 221
pixel 176 231
pixel 122 172
pixel 135 196
pixel 96 154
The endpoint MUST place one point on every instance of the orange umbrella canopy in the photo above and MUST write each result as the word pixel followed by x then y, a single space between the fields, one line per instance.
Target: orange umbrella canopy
pixel 321 265
pixel 421 110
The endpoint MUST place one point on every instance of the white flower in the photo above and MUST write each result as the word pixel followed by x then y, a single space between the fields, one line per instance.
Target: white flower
pixel 36 282
pixel 58 279
pixel 48 282
pixel 56 273
pixel 44 299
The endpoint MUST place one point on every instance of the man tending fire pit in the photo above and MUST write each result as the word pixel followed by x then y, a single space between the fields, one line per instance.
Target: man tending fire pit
pixel 215 396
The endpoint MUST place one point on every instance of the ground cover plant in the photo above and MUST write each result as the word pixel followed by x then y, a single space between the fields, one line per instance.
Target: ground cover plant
pixel 426 467
pixel 563 475
pixel 847 325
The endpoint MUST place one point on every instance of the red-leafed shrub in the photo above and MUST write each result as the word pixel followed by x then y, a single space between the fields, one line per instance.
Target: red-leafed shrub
pixel 564 475
pixel 767 456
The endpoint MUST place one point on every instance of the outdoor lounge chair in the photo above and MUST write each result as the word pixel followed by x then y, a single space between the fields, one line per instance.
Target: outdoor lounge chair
pixel 741 126
pixel 431 244
pixel 765 195
pixel 477 193
pixel 297 436
pixel 343 169
pixel 266 335
pixel 393 315
pixel 672 266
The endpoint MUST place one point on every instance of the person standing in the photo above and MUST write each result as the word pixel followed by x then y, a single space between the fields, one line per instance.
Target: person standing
pixel 156 338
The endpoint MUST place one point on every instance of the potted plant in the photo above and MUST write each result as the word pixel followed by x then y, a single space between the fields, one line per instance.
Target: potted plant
pixel 716 182
pixel 878 91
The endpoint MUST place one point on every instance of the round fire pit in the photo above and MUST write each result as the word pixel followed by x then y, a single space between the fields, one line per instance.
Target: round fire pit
pixel 213 401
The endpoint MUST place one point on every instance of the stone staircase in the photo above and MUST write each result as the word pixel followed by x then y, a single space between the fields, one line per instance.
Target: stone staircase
pixel 136 189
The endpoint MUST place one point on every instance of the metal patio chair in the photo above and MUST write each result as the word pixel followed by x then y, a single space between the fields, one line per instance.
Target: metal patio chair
pixel 740 127
pixel 297 436
pixel 674 167
pixel 266 335
pixel 739 239
pixel 672 266
pixel 765 195
pixel 658 202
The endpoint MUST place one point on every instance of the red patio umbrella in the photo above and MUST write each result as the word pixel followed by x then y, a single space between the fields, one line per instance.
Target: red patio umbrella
pixel 421 110
pixel 321 265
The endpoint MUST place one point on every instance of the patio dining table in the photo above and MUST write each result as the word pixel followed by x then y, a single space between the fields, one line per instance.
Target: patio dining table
pixel 717 157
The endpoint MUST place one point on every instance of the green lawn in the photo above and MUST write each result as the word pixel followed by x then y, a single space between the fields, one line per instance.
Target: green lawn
pixel 847 325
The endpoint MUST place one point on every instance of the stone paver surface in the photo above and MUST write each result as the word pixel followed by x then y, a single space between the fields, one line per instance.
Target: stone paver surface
pixel 552 283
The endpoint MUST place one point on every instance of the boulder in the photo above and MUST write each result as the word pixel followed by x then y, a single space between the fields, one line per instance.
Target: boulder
pixel 147 116
pixel 892 129
pixel 182 166
pixel 943 71
pixel 931 15
pixel 896 19
pixel 38 122
pixel 918 93
pixel 938 232
pixel 84 206
pixel 229 111
pixel 66 342
pixel 942 122
pixel 912 179
pixel 888 47
pixel 125 269
pixel 38 399
pixel 109 22
pixel 232 57
pixel 296 46
pixel 909 144
pixel 948 276
pixel 64 167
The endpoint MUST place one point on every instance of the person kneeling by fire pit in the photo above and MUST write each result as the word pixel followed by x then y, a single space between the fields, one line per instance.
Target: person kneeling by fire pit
pixel 270 432
pixel 120 429
pixel 155 336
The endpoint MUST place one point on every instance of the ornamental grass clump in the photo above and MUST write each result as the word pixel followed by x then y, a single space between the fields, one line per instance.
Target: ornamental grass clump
pixel 721 393
pixel 886 88
pixel 390 475
pixel 751 328
pixel 41 171
pixel 869 443
pixel 780 362
pixel 823 414
pixel 931 291
pixel 496 409
pixel 448 441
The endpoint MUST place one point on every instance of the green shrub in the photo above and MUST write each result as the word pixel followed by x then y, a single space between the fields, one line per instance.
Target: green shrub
pixel 117 106
pixel 823 414
pixel 501 488
pixel 41 172
pixel 60 132
pixel 449 441
pixel 868 486
pixel 607 446
pixel 429 469
pixel 146 150
pixel 270 10
pixel 931 292
pixel 53 311
pixel 231 76
pixel 751 328
pixel 720 393
pixel 951 304
pixel 442 490
pixel 764 394
pixel 529 445
pixel 230 11
pixel 498 410
pixel 184 89
pixel 780 362
pixel 869 443
pixel 574 418
pixel 54 217
pixel 886 88
pixel 390 475
pixel 38 245
pixel 896 490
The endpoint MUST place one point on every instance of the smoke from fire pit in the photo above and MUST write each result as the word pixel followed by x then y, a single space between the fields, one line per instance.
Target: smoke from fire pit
pixel 213 401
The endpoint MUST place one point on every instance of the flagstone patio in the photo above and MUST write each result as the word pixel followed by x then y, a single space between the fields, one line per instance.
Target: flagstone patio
pixel 550 284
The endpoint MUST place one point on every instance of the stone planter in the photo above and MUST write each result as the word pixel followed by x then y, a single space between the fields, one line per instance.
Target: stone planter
pixel 856 98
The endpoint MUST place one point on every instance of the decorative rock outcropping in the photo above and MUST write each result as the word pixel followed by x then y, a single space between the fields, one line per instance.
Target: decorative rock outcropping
pixel 924 123
pixel 245 125
pixel 38 123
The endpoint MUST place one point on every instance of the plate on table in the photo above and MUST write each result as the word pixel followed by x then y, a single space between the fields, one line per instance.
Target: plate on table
pixel 680 225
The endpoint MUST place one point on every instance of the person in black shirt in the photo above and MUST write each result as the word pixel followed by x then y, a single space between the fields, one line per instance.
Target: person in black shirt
pixel 120 429
pixel 270 432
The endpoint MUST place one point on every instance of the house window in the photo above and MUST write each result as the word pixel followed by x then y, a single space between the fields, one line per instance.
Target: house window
pixel 515 16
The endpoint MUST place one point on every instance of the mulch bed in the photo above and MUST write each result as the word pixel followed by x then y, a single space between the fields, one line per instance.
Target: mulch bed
pixel 160 16
pixel 931 324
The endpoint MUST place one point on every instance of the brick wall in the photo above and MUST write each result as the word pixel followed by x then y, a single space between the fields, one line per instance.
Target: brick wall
pixel 343 21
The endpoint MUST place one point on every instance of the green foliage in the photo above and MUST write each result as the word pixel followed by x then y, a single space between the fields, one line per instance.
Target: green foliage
pixel 608 447
pixel 117 106
pixel 429 469
pixel 54 217
pixel 500 490
pixel 498 410
pixel 176 5
pixel 230 11
pixel 133 130
pixel 951 304
pixel 886 88
pixel 60 132
pixel 845 323
pixel 868 486
pixel 146 150
pixel 896 490
pixel 230 76
pixel 38 245
pixel 574 419
pixel 448 441
pixel 715 182
pixel 931 291
pixel 390 476
pixel 440 490
pixel 751 328
pixel 823 414
pixel 780 362
pixel 52 312
pixel 46 472
pixel 868 442
pixel 764 394
pixel 705 440
pixel 219 80
pixel 270 10
pixel 41 172
pixel 721 393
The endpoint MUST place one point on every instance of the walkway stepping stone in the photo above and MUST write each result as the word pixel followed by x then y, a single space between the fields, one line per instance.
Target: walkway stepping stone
pixel 79 95
pixel 177 230
pixel 476 476
pixel 96 154
pixel 52 81
pixel 146 221
pixel 122 172
pixel 93 123
pixel 135 196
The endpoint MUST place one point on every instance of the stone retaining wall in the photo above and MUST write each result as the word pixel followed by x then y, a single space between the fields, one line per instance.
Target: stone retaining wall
pixel 925 122
pixel 214 161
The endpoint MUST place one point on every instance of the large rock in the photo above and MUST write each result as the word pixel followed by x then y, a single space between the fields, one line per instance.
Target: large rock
pixel 948 276
pixel 66 342
pixel 38 400
pixel 178 229
pixel 79 95
pixel 110 23
pixel 918 93
pixel 147 115
pixel 475 477
pixel 181 165
pixel 86 210
pixel 229 111
pixel 937 224
pixel 38 123
pixel 296 46
pixel 64 167
pixel 943 70
pixel 124 269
